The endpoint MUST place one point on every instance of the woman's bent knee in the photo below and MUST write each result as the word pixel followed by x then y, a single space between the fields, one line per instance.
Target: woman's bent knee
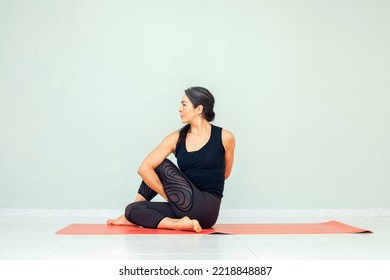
pixel 130 208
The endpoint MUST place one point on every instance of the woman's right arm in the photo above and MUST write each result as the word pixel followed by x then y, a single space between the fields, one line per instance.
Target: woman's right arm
pixel 154 159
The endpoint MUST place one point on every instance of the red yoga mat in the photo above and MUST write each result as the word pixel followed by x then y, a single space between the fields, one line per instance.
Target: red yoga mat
pixel 331 227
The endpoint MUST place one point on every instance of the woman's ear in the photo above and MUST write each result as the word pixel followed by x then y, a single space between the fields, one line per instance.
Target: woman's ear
pixel 199 110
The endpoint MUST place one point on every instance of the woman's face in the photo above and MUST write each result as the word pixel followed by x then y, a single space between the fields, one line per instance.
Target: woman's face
pixel 187 110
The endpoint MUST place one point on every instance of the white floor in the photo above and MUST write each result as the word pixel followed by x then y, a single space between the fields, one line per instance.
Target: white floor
pixel 34 238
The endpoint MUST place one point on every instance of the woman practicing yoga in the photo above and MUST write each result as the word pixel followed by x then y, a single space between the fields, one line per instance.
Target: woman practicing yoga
pixel 193 190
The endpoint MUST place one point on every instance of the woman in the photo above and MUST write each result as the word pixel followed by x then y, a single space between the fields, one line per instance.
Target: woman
pixel 193 192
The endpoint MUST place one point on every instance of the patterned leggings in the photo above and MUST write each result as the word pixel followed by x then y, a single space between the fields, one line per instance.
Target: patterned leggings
pixel 184 199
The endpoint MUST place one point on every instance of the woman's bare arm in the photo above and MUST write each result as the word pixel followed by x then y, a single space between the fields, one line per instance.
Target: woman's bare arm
pixel 154 159
pixel 229 144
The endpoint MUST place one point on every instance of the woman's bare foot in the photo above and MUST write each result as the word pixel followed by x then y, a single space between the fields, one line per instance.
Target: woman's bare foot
pixel 120 221
pixel 186 223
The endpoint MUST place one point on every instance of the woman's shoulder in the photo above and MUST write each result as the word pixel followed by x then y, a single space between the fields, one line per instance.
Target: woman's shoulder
pixel 173 136
pixel 227 137
pixel 169 142
pixel 227 133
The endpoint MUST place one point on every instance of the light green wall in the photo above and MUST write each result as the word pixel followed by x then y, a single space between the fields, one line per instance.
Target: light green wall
pixel 88 88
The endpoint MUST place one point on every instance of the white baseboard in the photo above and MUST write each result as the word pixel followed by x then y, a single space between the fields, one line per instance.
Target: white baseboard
pixel 7 212
pixel 264 213
pixel 224 213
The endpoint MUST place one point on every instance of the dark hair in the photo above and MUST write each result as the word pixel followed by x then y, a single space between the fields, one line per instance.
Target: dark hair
pixel 199 96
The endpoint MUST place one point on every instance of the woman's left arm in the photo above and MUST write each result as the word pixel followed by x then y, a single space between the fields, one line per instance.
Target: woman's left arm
pixel 229 144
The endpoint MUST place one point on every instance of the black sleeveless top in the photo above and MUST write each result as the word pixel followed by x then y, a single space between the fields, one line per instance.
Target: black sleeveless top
pixel 205 168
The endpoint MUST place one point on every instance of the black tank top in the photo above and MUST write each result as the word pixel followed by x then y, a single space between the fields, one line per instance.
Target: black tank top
pixel 205 168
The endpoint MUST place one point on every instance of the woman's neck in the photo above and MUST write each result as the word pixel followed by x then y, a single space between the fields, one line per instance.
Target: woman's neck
pixel 200 127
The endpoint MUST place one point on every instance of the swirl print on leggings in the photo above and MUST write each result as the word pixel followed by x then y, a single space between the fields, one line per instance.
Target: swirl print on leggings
pixel 146 191
pixel 176 186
